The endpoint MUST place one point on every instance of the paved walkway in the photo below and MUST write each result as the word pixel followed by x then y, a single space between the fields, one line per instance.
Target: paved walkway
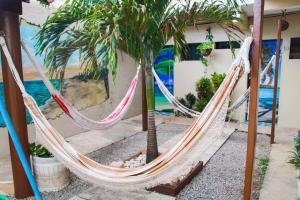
pixel 280 179
pixel 85 143
pixel 90 141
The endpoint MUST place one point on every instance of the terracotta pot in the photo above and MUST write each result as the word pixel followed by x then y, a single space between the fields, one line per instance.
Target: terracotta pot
pixel 206 52
pixel 50 174
pixel 284 25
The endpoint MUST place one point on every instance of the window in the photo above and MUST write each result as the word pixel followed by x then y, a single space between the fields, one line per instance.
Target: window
pixel 295 48
pixel 192 53
pixel 226 45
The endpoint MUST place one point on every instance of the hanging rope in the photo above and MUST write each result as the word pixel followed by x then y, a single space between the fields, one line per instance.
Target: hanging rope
pixel 78 118
pixel 169 166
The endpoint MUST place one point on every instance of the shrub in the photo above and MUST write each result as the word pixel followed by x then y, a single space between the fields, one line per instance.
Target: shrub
pixel 201 103
pixel 190 100
pixel 183 101
pixel 204 88
pixel 264 164
pixel 217 79
pixel 295 157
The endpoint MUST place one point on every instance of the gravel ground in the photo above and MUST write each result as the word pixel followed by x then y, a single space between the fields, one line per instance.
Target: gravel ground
pixel 222 177
pixel 121 150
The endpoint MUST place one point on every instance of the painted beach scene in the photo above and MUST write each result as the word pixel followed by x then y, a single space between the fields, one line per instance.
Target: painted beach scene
pixel 72 84
pixel 164 67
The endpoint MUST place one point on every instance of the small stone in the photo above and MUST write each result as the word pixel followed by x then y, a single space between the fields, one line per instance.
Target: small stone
pixel 118 164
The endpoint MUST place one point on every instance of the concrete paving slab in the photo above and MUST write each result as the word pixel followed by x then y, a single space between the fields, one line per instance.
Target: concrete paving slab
pixel 96 193
pixel 280 181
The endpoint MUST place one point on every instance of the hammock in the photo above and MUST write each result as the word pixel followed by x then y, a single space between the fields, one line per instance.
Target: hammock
pixel 78 118
pixel 170 165
pixel 187 111
pixel 244 97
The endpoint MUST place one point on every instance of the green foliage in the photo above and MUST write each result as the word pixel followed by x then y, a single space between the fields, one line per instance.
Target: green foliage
pixel 263 164
pixel 94 74
pixel 190 99
pixel 203 60
pixel 183 101
pixel 39 151
pixel 204 88
pixel 295 153
pixel 97 29
pixel 217 79
pixel 201 104
pixel 207 44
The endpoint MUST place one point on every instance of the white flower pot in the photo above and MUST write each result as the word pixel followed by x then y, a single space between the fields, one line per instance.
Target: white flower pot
pixel 50 174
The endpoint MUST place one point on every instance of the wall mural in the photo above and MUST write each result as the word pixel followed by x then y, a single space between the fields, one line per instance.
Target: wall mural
pixel 266 90
pixel 34 86
pixel 164 66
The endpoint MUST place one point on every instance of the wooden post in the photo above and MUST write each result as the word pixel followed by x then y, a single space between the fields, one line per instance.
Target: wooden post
pixel 9 25
pixel 274 108
pixel 252 124
pixel 144 102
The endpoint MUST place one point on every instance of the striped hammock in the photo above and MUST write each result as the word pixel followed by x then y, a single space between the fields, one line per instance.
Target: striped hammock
pixel 78 118
pixel 193 113
pixel 172 164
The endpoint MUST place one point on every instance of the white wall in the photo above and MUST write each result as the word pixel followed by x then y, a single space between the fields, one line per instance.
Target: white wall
pixel 126 71
pixel 289 106
pixel 186 73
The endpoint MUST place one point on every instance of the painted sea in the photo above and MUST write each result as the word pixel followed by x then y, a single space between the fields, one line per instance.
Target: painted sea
pixel 37 89
pixel 164 67
pixel 34 86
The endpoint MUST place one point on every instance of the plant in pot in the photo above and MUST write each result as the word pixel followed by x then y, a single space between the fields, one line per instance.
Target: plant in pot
pixel 50 174
pixel 206 47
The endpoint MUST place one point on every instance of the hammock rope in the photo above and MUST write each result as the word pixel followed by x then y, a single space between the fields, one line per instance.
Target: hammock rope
pixel 177 161
pixel 244 97
pixel 79 119
pixel 190 112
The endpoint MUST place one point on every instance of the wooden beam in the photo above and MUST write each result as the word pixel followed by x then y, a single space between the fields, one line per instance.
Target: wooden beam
pixel 11 6
pixel 9 25
pixel 144 102
pixel 254 83
pixel 274 108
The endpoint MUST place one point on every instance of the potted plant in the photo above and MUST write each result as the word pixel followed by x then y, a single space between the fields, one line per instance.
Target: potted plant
pixel 206 47
pixel 50 174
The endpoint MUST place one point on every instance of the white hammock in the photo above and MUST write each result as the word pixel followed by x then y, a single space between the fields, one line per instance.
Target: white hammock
pixel 183 109
pixel 78 118
pixel 169 166
pixel 244 97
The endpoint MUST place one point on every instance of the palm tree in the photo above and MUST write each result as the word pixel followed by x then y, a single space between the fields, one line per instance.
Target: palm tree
pixel 140 28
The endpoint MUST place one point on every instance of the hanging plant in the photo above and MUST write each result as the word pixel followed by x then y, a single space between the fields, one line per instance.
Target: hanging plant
pixel 206 47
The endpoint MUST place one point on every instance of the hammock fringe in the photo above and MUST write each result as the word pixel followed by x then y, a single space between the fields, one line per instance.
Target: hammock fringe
pixel 172 164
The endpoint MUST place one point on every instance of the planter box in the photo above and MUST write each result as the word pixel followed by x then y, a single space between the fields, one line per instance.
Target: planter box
pixel 50 174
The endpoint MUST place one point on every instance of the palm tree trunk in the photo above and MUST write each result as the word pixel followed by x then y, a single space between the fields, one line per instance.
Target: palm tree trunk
pixel 62 81
pixel 152 149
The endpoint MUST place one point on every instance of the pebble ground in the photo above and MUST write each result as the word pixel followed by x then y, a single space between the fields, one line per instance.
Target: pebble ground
pixel 221 179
